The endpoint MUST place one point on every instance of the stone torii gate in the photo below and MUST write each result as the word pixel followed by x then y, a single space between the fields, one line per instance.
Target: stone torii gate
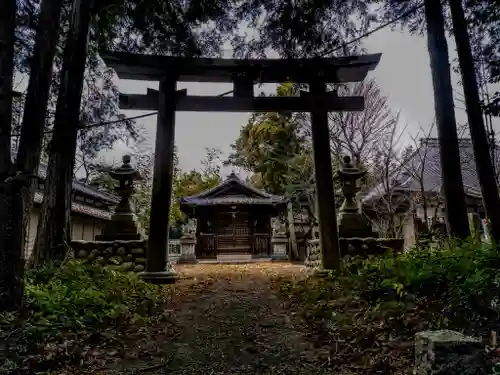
pixel 244 74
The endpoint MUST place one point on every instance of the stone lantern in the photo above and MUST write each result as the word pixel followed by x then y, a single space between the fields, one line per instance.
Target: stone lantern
pixel 123 224
pixel 351 221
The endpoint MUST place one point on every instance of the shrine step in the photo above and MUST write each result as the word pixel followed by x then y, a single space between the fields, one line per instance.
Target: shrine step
pixel 234 258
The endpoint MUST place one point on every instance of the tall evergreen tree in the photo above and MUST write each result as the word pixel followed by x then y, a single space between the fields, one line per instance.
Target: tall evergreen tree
pixel 11 266
pixel 36 102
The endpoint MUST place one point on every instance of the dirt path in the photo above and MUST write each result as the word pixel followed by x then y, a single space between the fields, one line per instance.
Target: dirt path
pixel 227 320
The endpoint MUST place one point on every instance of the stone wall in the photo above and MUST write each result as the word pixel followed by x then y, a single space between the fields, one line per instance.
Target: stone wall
pixel 122 255
pixel 370 246
pixel 355 246
pixel 313 259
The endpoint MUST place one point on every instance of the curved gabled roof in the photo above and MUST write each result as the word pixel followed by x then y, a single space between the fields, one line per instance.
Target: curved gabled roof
pixel 232 191
pixel 84 189
pixel 85 209
pixel 425 162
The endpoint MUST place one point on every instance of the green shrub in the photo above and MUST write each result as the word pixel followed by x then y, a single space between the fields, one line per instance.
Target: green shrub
pixel 76 300
pixel 377 304
pixel 78 295
pixel 459 282
pixel 453 267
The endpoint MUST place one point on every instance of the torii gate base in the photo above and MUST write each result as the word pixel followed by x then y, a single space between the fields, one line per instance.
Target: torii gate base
pixel 317 73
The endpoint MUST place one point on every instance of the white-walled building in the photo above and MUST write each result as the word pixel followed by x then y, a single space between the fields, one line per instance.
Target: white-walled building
pixel 417 181
pixel 91 208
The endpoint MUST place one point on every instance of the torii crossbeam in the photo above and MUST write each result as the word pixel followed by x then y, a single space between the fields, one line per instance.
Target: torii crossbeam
pixel 244 74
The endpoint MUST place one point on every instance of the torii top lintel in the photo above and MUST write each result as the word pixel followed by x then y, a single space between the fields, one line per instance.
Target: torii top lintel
pixel 154 67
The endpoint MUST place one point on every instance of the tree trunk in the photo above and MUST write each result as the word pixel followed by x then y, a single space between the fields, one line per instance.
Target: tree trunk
pixel 53 232
pixel 11 260
pixel 480 144
pixel 7 27
pixel 453 188
pixel 11 266
pixel 35 107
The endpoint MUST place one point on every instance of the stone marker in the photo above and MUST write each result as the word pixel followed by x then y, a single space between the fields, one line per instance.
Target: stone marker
pixel 475 225
pixel 448 352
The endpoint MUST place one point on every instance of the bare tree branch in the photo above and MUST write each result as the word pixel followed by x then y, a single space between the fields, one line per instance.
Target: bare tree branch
pixel 390 206
pixel 358 133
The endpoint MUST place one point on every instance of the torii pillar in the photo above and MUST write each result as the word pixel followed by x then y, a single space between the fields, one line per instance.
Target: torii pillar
pixel 159 270
pixel 323 173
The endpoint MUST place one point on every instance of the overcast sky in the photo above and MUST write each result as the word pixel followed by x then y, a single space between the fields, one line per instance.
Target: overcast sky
pixel 403 76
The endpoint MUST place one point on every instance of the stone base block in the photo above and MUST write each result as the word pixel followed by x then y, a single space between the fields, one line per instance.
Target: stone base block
pixel 185 259
pixel 279 246
pixel 234 258
pixel 279 257
pixel 448 352
pixel 160 278
pixel 353 224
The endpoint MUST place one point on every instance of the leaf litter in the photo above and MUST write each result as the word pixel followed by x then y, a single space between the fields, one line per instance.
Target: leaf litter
pixel 222 319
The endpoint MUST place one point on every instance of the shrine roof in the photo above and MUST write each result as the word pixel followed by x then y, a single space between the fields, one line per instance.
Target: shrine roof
pixel 80 208
pixel 233 191
pixel 425 162
pixel 154 67
pixel 84 189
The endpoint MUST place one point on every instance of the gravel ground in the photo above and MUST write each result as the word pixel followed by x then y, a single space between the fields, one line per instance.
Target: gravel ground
pixel 226 319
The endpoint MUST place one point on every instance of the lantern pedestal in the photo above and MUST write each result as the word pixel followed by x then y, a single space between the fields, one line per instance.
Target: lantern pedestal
pixel 123 225
pixel 354 224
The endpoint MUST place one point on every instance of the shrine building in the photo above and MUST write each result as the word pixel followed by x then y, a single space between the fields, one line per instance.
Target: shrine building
pixel 233 219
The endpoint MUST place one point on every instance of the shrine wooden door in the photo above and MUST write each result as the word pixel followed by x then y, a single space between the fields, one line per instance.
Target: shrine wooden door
pixel 233 233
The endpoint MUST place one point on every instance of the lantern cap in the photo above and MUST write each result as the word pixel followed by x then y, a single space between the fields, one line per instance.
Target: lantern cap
pixel 125 170
pixel 349 171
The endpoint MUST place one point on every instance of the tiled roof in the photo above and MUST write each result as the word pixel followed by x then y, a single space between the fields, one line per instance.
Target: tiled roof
pixel 425 162
pixel 81 208
pixel 216 196
pixel 84 188
pixel 79 186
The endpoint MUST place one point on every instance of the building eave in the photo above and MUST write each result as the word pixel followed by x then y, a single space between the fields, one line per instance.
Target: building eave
pixel 85 189
pixel 80 208
pixel 233 202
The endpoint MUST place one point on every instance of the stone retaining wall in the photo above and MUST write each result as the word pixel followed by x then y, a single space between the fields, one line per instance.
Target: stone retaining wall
pixel 122 255
pixel 313 259
pixel 355 246
pixel 370 246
